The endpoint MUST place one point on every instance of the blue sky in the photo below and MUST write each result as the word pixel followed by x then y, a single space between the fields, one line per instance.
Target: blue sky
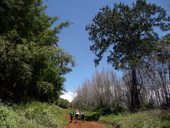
pixel 74 39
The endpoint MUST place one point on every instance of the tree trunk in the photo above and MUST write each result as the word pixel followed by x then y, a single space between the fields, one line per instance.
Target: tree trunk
pixel 135 103
pixel 169 70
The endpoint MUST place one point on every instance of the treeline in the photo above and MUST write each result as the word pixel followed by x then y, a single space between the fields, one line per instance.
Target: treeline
pixel 32 66
pixel 108 93
pixel 105 91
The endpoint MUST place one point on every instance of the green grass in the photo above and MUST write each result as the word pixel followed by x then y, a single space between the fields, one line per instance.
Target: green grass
pixel 147 119
pixel 32 115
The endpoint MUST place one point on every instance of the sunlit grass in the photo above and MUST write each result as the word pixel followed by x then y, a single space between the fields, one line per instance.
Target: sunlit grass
pixel 147 119
pixel 32 115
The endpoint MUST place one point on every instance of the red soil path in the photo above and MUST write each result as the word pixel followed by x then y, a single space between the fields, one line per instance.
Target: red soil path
pixel 85 124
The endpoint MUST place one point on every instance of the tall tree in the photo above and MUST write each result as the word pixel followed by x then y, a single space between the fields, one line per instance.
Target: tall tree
pixel 127 34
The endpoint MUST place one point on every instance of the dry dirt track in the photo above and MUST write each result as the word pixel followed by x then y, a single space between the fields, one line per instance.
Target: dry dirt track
pixel 85 124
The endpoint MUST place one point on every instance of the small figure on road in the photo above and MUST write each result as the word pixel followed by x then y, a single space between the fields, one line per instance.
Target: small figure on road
pixel 71 116
pixel 77 115
pixel 82 116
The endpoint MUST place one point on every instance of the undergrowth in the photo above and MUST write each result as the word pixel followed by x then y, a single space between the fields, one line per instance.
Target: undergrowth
pixel 32 115
pixel 147 119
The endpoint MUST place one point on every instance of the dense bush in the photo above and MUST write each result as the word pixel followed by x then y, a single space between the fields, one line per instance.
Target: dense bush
pixel 89 116
pixel 10 119
pixel 63 103
pixel 33 115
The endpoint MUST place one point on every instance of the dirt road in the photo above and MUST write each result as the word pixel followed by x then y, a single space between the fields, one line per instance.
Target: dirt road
pixel 85 124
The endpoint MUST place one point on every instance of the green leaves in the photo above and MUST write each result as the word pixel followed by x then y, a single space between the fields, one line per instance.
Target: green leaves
pixel 126 33
pixel 31 63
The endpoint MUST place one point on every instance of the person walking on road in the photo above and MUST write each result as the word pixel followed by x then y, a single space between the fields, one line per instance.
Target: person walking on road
pixel 71 116
pixel 82 116
pixel 77 115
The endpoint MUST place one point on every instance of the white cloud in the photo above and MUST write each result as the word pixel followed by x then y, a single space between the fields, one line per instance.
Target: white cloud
pixel 68 95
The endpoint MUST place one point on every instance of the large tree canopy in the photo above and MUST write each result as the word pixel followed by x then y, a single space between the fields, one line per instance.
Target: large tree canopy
pixel 25 20
pixel 128 34
pixel 31 63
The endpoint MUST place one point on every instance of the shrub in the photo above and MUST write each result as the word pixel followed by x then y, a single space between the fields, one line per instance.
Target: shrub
pixel 147 119
pixel 63 103
pixel 10 119
pixel 92 116
pixel 32 115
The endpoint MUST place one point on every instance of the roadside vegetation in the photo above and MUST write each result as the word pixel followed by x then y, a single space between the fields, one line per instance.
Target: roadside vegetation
pixel 32 115
pixel 32 66
pixel 145 119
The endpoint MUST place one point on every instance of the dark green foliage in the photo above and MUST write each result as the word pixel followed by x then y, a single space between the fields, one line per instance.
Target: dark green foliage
pixel 31 63
pixel 126 32
pixel 25 20
pixel 92 116
pixel 107 110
